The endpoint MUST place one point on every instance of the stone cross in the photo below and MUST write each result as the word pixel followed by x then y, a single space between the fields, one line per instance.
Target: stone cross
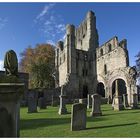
pixel 78 116
pixel 62 107
pixel 96 105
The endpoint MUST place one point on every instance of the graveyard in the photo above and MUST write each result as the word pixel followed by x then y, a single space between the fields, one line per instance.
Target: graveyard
pixel 48 123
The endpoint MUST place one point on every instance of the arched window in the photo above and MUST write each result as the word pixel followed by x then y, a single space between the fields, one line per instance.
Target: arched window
pixel 101 52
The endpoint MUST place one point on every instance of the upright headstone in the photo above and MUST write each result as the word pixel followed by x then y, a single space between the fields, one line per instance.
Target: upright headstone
pixel 62 107
pixel 83 101
pixel 134 101
pixel 42 103
pixel 11 91
pixel 54 101
pixel 32 101
pixel 96 105
pixel 78 116
pixel 125 101
pixel 89 101
pixel 117 101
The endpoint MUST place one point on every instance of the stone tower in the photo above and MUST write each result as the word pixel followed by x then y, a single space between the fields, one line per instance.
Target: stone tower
pixel 75 58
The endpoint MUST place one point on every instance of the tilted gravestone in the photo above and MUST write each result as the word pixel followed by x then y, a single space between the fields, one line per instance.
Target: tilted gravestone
pixel 125 101
pixel 32 101
pixel 89 101
pixel 11 91
pixel 78 116
pixel 96 105
pixel 42 103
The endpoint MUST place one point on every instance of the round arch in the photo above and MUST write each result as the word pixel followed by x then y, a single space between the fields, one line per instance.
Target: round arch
pixel 101 89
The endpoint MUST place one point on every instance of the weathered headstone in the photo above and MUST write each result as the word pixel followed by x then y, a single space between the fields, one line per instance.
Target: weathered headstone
pixel 42 103
pixel 134 101
pixel 11 91
pixel 89 101
pixel 125 101
pixel 83 101
pixel 54 101
pixel 78 116
pixel 117 101
pixel 96 105
pixel 32 101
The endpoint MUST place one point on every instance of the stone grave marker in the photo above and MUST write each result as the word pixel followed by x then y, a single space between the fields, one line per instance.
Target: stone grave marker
pixel 42 103
pixel 96 105
pixel 78 116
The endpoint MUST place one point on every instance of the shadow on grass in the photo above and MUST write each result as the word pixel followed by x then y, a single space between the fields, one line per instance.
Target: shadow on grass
pixel 108 126
pixel 42 122
pixel 95 119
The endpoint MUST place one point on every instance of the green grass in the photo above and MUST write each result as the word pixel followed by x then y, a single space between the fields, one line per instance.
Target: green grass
pixel 47 123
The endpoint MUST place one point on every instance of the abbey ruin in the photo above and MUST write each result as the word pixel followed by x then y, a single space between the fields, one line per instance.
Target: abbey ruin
pixel 83 67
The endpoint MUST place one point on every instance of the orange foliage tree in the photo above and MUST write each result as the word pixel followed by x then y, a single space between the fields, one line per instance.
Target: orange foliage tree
pixel 39 63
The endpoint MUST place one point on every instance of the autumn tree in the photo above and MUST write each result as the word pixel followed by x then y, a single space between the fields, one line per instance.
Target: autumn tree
pixel 39 63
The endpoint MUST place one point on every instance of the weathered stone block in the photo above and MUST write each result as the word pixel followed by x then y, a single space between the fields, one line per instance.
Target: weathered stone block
pixel 96 105
pixel 78 116
pixel 10 95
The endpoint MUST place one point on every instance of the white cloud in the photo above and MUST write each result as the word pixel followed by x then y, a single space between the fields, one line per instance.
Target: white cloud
pixel 45 10
pixel 3 22
pixel 1 65
pixel 50 24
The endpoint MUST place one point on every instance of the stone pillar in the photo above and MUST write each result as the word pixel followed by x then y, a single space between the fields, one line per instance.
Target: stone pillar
pixel 42 103
pixel 10 95
pixel 96 105
pixel 32 101
pixel 89 101
pixel 117 101
pixel 62 107
pixel 125 101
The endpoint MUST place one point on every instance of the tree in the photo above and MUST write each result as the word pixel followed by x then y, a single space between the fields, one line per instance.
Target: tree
pixel 39 63
pixel 138 68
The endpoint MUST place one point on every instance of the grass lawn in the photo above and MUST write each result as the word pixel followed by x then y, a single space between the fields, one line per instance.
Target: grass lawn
pixel 47 123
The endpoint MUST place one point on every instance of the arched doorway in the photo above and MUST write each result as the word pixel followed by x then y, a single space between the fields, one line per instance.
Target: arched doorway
pixel 85 91
pixel 101 89
pixel 121 87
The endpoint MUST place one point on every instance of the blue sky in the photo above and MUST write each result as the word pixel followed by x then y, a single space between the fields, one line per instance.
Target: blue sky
pixel 24 24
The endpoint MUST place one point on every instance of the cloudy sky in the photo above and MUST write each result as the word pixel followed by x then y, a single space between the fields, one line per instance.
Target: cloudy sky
pixel 24 24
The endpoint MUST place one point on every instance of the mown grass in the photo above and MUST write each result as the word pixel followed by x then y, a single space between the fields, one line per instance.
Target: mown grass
pixel 47 123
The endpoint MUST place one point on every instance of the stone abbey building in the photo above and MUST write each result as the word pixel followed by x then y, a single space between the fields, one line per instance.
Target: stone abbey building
pixel 83 67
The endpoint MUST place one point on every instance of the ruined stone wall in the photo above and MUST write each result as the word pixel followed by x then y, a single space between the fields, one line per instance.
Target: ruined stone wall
pixel 111 55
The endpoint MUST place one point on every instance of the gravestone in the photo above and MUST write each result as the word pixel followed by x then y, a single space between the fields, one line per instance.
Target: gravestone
pixel 83 101
pixel 32 101
pixel 125 101
pixel 89 101
pixel 78 116
pixel 96 105
pixel 54 101
pixel 42 103
pixel 11 91
pixel 134 101
pixel 117 101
